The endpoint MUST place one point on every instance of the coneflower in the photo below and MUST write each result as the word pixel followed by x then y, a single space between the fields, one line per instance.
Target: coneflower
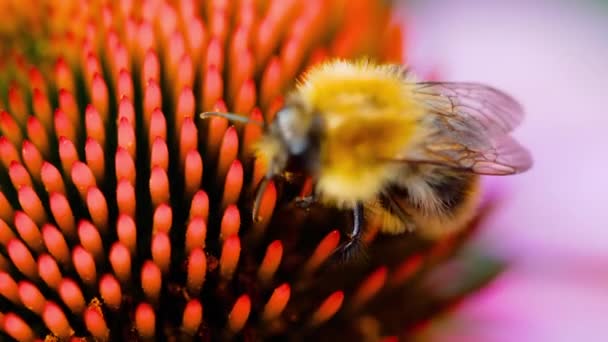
pixel 125 217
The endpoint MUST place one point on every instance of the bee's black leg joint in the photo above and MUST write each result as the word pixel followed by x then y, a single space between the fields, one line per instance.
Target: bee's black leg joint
pixel 305 202
pixel 353 247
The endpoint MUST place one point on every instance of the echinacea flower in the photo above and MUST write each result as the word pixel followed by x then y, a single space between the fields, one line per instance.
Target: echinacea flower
pixel 123 216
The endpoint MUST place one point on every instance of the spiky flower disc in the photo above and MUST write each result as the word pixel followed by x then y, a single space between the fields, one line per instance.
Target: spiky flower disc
pixel 124 217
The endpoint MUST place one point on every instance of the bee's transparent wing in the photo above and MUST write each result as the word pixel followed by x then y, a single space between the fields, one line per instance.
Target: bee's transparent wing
pixel 488 108
pixel 499 156
pixel 470 125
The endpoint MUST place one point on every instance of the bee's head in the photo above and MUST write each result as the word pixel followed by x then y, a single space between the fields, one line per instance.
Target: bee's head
pixel 292 127
pixel 292 138
pixel 297 129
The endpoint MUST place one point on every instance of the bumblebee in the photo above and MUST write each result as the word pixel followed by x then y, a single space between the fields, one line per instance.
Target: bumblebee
pixel 404 154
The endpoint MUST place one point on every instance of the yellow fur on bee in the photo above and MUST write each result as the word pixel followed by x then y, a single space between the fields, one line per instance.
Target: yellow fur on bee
pixel 368 115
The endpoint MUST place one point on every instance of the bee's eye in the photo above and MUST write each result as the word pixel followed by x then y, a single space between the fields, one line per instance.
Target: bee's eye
pixel 291 128
pixel 286 119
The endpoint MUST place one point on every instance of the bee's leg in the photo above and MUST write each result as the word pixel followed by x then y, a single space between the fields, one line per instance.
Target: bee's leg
pixel 353 246
pixel 357 222
pixel 258 197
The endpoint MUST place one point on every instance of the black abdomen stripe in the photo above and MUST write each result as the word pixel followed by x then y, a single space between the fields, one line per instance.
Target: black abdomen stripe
pixel 452 189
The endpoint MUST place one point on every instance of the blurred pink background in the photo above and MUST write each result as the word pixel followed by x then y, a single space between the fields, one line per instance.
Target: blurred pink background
pixel 553 57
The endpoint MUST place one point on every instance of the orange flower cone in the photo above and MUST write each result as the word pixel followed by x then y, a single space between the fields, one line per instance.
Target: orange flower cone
pixel 123 216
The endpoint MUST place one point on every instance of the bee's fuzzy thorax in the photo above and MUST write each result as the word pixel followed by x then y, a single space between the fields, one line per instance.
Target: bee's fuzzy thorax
pixel 368 117
pixel 339 187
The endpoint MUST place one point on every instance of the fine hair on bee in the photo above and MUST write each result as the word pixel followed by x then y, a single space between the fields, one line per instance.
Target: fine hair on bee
pixel 403 154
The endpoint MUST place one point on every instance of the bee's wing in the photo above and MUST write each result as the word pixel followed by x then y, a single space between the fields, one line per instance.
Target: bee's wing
pixel 470 126
pixel 488 108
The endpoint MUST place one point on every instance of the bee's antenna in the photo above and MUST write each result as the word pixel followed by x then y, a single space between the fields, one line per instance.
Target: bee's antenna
pixel 232 117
